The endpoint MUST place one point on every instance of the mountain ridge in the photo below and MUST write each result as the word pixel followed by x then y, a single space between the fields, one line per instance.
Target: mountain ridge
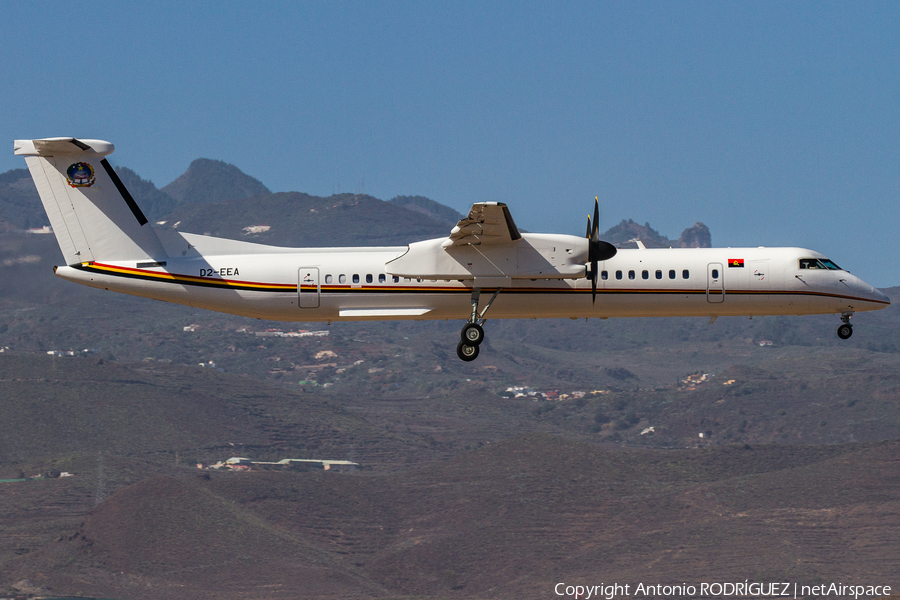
pixel 212 182
pixel 208 180
pixel 625 234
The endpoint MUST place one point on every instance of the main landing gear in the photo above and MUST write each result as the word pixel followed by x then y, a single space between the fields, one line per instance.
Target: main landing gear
pixel 845 330
pixel 472 333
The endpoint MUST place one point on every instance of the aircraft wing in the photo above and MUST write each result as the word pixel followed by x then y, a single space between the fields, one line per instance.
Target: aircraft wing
pixel 488 223
pixel 487 246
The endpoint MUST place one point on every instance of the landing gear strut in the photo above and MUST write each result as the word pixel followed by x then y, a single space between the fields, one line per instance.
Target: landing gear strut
pixel 472 333
pixel 845 330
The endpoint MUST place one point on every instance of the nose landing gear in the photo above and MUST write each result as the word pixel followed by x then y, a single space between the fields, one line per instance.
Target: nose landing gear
pixel 466 351
pixel 472 333
pixel 846 330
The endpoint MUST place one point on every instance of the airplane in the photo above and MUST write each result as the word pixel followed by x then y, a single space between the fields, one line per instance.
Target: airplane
pixel 107 243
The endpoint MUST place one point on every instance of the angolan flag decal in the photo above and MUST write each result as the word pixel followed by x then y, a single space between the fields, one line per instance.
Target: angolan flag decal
pixel 736 262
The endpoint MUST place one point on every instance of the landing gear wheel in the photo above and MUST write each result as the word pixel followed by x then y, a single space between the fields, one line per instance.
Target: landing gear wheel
pixel 472 334
pixel 845 331
pixel 466 352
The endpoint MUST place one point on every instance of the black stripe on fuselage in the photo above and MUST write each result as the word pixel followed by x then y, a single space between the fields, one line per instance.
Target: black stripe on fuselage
pixel 221 284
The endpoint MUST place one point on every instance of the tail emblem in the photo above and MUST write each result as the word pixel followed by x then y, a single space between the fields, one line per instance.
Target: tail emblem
pixel 80 174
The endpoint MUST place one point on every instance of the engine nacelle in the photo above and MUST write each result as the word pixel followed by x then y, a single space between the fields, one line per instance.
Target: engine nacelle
pixel 534 256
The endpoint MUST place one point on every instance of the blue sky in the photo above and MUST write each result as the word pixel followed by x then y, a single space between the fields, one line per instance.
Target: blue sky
pixel 774 123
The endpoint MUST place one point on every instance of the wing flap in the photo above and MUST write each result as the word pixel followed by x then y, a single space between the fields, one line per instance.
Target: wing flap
pixel 488 223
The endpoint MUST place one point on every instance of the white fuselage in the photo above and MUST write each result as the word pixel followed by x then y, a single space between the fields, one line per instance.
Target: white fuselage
pixel 334 284
pixel 107 243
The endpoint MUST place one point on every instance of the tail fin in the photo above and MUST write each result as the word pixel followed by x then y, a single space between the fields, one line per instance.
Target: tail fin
pixel 92 214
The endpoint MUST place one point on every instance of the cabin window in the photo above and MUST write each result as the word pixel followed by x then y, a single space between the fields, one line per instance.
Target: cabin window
pixel 396 279
pixel 685 274
pixel 630 274
pixel 715 273
pixel 618 274
pixel 658 274
pixel 355 278
pixel 671 273
pixel 604 275
pixel 382 278
pixel 342 278
pixel 328 279
pixel 368 278
pixel 407 279
pixel 645 274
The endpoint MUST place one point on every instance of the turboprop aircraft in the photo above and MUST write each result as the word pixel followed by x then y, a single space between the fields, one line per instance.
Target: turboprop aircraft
pixel 107 243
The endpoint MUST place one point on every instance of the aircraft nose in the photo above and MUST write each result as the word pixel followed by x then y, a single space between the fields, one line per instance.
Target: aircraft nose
pixel 870 292
pixel 880 296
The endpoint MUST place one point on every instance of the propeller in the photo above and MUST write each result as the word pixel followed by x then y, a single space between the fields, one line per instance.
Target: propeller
pixel 598 250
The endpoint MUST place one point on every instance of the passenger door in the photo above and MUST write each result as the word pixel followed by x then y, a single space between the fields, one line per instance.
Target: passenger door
pixel 308 288
pixel 715 283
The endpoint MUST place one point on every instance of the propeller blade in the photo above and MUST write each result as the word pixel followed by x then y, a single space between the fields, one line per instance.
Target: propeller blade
pixel 588 232
pixel 598 250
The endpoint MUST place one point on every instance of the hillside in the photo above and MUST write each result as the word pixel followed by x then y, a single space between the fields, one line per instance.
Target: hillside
pixel 507 521
pixel 289 219
pixel 20 205
pixel 154 203
pixel 429 208
pixel 208 181
pixel 806 387
pixel 301 220
pixel 59 411
pixel 624 234
pixel 656 450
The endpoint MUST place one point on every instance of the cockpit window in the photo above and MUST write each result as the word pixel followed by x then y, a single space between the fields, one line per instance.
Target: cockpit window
pixel 815 263
pixel 811 263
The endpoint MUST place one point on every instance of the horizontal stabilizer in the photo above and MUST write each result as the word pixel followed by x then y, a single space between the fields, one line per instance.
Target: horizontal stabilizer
pixel 62 146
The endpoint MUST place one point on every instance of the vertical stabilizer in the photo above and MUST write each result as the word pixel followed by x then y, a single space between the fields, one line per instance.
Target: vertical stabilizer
pixel 92 214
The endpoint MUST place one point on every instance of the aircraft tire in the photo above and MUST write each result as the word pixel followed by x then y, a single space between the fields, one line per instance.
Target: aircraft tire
pixel 845 331
pixel 472 334
pixel 466 351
